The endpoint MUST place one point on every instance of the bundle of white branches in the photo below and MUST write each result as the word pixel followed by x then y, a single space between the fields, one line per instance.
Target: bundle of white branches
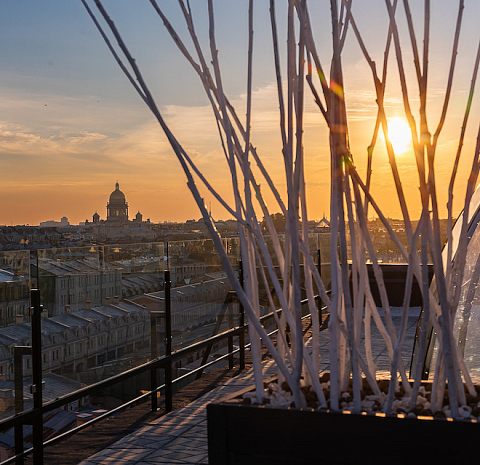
pixel 350 196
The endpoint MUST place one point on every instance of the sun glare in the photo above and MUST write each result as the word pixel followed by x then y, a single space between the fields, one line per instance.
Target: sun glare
pixel 399 135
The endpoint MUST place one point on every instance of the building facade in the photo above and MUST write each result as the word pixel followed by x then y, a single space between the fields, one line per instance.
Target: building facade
pixel 75 342
pixel 67 285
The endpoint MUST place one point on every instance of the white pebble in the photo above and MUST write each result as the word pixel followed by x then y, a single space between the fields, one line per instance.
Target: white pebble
pixel 367 404
pixel 396 404
pixel 421 400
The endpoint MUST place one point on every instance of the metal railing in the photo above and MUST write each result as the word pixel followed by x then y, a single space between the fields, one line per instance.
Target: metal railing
pixel 35 416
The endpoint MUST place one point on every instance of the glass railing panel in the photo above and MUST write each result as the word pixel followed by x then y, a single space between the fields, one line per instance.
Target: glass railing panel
pixel 98 321
pixel 202 299
pixel 70 279
pixel 193 261
pixel 15 287
pixel 467 318
pixel 141 267
pixel 324 241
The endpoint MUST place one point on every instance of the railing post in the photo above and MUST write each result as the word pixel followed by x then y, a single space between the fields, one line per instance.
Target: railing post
pixel 153 335
pixel 154 354
pixel 154 385
pixel 168 343
pixel 230 350
pixel 36 312
pixel 241 336
pixel 18 353
pixel 319 266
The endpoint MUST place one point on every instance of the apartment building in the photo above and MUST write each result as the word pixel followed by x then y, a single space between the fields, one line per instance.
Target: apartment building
pixel 76 341
pixel 70 284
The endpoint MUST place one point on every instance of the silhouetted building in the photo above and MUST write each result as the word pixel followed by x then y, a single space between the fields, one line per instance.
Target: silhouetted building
pixel 117 207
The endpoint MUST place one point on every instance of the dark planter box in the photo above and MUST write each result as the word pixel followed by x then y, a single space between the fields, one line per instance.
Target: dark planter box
pixel 243 434
pixel 395 276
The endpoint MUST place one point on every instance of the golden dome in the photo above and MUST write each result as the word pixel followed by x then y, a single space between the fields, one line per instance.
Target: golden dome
pixel 117 196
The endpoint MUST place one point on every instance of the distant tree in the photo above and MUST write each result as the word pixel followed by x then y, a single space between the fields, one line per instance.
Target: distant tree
pixel 278 220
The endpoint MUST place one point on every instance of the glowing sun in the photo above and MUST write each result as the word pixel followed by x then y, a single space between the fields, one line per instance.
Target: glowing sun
pixel 399 135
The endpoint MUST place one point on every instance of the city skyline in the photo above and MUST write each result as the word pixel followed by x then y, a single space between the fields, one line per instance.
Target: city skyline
pixel 71 126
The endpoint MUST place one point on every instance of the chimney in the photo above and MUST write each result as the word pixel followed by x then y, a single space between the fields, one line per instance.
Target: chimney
pixel 88 304
pixel 115 299
pixel 7 399
pixel 67 308
pixel 19 319
pixel 107 300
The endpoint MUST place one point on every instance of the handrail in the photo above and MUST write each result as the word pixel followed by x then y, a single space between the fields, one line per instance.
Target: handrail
pixel 152 364
pixel 162 362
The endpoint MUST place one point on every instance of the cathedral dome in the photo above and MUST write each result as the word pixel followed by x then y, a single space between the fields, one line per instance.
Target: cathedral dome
pixel 117 207
pixel 117 196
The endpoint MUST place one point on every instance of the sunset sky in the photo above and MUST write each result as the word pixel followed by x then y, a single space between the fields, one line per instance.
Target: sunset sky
pixel 71 125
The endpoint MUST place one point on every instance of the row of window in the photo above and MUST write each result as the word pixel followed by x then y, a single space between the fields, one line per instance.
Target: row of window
pixel 14 291
pixel 86 280
pixel 101 341
pixel 11 311
pixel 82 297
